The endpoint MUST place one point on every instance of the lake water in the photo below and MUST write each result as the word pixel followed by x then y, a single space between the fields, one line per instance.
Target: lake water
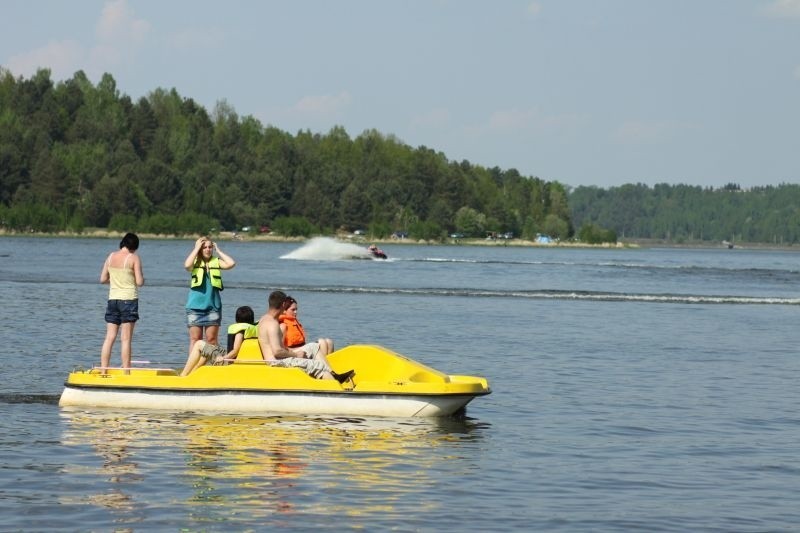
pixel 650 389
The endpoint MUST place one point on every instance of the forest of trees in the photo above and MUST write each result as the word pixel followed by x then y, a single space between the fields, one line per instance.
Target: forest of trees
pixel 75 155
pixel 683 213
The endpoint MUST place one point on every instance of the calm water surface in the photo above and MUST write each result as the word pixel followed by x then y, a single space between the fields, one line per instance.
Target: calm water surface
pixel 651 389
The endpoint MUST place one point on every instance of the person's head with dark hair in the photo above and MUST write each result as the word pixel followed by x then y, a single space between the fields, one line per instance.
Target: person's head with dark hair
pixel 245 315
pixel 287 303
pixel 129 241
pixel 276 299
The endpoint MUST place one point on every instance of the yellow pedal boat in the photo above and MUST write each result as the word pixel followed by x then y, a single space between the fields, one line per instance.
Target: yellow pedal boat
pixel 385 384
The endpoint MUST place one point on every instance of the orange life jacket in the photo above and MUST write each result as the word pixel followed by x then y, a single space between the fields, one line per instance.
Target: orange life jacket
pixel 295 335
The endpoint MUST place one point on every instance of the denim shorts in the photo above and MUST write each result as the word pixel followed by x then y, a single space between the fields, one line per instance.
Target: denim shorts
pixel 201 319
pixel 122 311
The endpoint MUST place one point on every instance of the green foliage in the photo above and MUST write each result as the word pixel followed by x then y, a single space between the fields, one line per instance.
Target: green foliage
pixel 427 230
pixel 182 224
pixel 470 222
pixel 196 223
pixel 683 213
pixel 294 227
pixel 123 223
pixel 160 224
pixel 529 229
pixel 32 217
pixel 166 163
pixel 556 227
pixel 380 230
pixel 593 234
pixel 76 224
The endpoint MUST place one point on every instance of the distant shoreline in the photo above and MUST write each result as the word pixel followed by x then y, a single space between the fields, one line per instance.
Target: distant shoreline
pixel 232 236
pixel 658 243
pixel 356 239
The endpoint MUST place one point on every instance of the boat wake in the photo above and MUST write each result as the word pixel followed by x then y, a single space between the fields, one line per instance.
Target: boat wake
pixel 327 249
pixel 599 296
pixel 621 265
pixel 29 398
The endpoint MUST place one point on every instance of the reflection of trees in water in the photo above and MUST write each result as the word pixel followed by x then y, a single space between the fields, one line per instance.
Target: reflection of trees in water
pixel 245 469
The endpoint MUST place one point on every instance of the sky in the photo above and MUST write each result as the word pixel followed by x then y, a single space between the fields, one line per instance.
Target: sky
pixel 584 92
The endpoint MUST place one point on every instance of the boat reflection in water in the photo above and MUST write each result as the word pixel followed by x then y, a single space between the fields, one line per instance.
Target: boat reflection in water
pixel 111 439
pixel 259 469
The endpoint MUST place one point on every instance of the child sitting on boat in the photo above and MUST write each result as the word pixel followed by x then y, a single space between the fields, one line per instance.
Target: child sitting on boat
pixel 202 351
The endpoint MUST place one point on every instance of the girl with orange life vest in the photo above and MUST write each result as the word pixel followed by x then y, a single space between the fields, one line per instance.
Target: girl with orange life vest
pixel 294 336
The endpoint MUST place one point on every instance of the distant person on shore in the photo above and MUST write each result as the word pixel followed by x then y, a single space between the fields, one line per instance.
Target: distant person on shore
pixel 270 340
pixel 122 270
pixel 204 304
pixel 202 352
pixel 294 336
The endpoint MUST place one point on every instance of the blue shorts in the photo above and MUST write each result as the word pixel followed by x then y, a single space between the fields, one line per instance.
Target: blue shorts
pixel 202 319
pixel 122 311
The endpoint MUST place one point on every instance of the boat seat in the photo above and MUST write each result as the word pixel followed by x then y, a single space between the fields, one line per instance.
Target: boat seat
pixel 250 351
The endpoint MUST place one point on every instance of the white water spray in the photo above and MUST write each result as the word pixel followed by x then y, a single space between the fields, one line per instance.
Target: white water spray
pixel 327 249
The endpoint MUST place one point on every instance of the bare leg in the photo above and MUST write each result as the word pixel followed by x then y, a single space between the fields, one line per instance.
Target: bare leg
pixel 328 345
pixel 211 334
pixel 126 339
pixel 108 345
pixel 325 349
pixel 321 355
pixel 195 334
pixel 194 361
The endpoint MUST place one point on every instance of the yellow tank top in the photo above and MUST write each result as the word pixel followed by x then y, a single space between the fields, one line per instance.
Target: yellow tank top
pixel 122 282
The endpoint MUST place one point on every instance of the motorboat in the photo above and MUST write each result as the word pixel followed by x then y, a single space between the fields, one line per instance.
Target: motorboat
pixel 376 252
pixel 385 383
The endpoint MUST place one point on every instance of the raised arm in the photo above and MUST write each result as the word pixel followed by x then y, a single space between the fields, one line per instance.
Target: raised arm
pixel 226 262
pixel 238 339
pixel 188 264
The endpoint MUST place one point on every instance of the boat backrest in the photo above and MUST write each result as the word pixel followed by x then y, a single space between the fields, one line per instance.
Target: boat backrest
pixel 376 363
pixel 250 351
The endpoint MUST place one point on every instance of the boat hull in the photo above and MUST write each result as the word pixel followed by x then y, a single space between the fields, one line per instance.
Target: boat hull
pixel 385 384
pixel 263 402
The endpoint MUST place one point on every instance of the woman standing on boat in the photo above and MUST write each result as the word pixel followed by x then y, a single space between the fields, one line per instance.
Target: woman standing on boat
pixel 123 273
pixel 204 304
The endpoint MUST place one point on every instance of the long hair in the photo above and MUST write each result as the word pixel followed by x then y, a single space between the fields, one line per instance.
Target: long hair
pixel 287 303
